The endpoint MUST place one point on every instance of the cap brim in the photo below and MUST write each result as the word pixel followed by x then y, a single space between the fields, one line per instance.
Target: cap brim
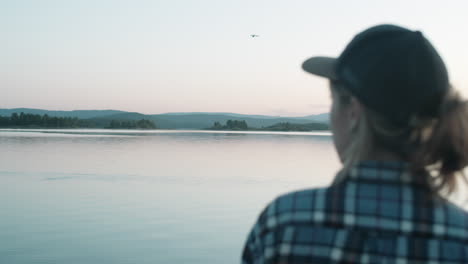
pixel 321 66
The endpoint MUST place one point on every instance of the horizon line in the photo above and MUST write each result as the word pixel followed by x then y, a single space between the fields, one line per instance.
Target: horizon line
pixel 166 113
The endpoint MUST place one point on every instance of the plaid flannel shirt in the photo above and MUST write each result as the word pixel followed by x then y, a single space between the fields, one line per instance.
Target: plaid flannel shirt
pixel 379 213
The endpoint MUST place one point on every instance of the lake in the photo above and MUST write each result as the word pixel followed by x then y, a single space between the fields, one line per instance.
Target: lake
pixel 125 196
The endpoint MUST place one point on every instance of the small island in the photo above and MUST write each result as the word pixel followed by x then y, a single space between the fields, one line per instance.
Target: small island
pixel 230 125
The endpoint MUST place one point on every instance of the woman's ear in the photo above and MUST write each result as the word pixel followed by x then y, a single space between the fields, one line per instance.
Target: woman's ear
pixel 354 113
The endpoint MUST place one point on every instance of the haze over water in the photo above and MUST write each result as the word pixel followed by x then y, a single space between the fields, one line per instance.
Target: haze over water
pixel 81 196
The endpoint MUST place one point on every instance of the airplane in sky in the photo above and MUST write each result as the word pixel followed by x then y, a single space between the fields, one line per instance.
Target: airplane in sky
pixel 254 36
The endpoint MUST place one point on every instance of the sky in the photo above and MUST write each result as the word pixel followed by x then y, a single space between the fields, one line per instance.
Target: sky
pixel 197 55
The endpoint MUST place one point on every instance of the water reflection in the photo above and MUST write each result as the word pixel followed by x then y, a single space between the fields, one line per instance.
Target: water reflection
pixel 145 197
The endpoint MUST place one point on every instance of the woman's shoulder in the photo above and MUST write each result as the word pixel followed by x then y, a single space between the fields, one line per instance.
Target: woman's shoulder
pixel 335 206
pixel 301 205
pixel 304 199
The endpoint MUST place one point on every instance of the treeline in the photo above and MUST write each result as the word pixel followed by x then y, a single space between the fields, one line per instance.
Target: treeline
pixel 129 124
pixel 230 125
pixel 296 127
pixel 23 120
pixel 284 126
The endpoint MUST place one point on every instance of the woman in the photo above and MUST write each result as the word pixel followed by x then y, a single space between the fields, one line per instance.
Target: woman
pixel 401 133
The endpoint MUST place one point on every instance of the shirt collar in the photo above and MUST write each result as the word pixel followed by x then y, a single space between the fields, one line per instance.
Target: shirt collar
pixel 385 171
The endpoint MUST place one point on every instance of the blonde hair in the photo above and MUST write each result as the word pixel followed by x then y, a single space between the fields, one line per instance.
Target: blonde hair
pixel 435 147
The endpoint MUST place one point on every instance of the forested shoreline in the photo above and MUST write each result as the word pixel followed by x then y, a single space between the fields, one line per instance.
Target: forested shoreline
pixel 241 125
pixel 24 120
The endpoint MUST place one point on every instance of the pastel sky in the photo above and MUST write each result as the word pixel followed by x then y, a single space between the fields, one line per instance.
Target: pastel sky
pixel 197 55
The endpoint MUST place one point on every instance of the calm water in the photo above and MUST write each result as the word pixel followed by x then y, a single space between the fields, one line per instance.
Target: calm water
pixel 100 196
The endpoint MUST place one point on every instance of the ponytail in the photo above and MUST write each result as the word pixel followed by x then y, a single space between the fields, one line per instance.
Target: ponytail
pixel 444 151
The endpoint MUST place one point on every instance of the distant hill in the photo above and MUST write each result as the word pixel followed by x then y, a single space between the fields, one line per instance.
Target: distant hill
pixel 325 117
pixel 173 120
pixel 219 113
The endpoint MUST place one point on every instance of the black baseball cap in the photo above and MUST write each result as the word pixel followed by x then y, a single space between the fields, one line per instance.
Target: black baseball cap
pixel 390 69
